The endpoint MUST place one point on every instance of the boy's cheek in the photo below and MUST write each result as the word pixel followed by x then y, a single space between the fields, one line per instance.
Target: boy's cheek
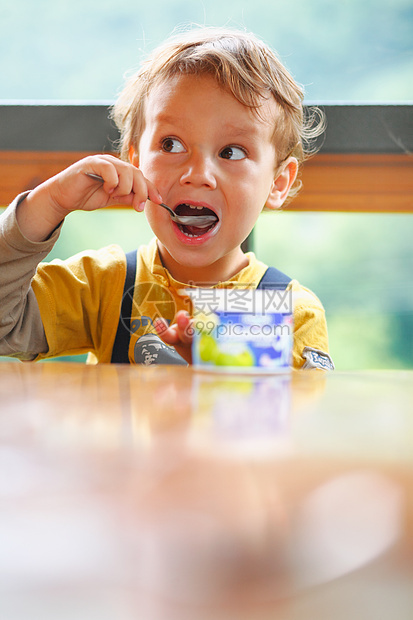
pixel 153 172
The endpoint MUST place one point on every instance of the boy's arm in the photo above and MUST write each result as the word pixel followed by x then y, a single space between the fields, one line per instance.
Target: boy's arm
pixel 21 329
pixel 29 229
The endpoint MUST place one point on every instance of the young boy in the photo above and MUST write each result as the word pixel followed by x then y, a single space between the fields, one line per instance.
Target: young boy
pixel 211 124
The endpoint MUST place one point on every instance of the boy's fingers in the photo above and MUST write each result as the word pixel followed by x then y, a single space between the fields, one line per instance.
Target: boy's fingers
pixel 106 169
pixel 169 334
pixel 122 182
pixel 130 187
pixel 180 332
pixel 153 193
pixel 161 326
pixel 143 190
pixel 125 182
pixel 184 325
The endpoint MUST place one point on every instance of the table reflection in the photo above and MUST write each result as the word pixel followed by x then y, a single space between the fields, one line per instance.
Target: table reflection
pixel 163 494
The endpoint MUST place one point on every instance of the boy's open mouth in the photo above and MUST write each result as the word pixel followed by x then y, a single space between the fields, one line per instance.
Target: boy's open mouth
pixel 195 231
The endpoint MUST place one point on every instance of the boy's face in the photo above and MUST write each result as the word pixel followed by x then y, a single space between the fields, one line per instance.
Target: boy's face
pixel 206 152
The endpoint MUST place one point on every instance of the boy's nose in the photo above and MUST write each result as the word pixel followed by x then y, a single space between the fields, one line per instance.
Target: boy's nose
pixel 199 171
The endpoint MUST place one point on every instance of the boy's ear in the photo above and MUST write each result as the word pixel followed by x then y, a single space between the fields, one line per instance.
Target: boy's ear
pixel 282 183
pixel 133 157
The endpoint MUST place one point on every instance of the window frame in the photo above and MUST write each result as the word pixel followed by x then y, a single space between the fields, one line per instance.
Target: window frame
pixel 364 162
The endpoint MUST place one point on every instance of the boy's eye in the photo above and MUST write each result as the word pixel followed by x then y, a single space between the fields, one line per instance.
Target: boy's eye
pixel 172 145
pixel 233 152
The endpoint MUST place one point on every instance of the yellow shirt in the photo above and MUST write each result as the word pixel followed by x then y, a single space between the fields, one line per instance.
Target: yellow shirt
pixel 80 300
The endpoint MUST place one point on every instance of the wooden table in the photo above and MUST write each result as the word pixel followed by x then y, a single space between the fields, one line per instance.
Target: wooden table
pixel 163 493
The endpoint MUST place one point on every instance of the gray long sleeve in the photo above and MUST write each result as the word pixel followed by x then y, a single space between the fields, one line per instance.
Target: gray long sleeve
pixel 21 328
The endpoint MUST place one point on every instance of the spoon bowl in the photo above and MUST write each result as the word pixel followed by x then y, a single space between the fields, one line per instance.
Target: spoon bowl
pixel 201 221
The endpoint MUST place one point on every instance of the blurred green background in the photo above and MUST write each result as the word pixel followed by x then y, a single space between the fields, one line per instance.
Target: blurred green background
pixel 80 49
pixel 359 265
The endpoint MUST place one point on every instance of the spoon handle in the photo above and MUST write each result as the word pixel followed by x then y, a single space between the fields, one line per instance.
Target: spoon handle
pixel 92 175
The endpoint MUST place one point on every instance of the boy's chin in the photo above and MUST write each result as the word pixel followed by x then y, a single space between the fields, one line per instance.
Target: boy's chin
pixel 201 268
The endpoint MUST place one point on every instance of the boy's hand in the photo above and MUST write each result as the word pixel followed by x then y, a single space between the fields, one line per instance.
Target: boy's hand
pixel 179 334
pixel 73 190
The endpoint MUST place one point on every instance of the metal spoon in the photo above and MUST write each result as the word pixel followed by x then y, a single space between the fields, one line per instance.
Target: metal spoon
pixel 201 221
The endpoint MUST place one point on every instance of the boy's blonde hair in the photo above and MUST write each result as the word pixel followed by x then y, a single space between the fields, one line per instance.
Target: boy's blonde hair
pixel 242 65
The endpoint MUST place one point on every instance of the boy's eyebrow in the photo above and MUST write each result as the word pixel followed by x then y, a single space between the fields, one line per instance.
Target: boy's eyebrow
pixel 166 118
pixel 243 131
pixel 237 130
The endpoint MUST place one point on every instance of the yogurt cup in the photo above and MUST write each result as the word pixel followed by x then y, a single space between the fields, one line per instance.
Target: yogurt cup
pixel 250 332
